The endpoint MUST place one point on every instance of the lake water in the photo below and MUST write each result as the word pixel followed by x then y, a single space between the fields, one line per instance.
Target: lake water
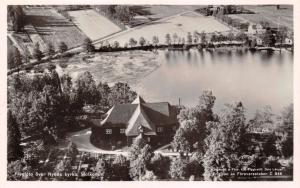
pixel 255 79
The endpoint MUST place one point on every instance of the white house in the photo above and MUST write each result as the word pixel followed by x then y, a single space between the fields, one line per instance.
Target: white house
pixel 288 41
pixel 255 29
pixel 259 41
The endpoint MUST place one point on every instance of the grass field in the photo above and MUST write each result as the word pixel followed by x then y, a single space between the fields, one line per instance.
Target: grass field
pixel 179 24
pixel 155 12
pixel 53 27
pixel 94 25
pixel 280 17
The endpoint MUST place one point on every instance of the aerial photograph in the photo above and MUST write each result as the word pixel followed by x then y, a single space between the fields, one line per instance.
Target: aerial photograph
pixel 139 92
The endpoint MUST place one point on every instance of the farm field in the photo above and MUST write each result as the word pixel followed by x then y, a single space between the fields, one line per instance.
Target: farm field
pixel 53 27
pixel 94 25
pixel 161 11
pixel 180 24
pixel 281 17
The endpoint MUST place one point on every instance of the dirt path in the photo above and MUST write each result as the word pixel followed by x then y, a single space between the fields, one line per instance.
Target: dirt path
pixel 82 141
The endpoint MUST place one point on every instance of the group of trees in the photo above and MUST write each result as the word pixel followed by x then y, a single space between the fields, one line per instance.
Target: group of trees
pixel 14 58
pixel 229 37
pixel 50 50
pixel 43 106
pixel 222 139
pixel 206 141
pixel 123 13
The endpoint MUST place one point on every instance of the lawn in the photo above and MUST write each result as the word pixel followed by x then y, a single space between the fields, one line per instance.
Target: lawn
pixel 281 17
pixel 180 24
pixel 53 27
pixel 94 25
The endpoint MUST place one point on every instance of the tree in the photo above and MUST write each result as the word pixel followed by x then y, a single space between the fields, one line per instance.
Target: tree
pixel 142 41
pixel 121 93
pixel 168 39
pixel 155 40
pixel 50 49
pixel 284 131
pixel 175 38
pixel 268 38
pixel 88 45
pixel 225 142
pixel 120 168
pixel 160 165
pixel 116 44
pixel 195 37
pixel 241 37
pixel 140 155
pixel 123 13
pixel 14 150
pixel 37 53
pixel 149 176
pixel 189 38
pixel 132 42
pixel 213 38
pixel 181 141
pixel 13 57
pixel 203 37
pixel 281 35
pixel 62 167
pixel 19 166
pixel 192 132
pixel 72 151
pixel 102 168
pixel 263 119
pixel 195 167
pixel 178 169
pixel 62 47
pixel 86 88
pixel 104 93
pixel 230 36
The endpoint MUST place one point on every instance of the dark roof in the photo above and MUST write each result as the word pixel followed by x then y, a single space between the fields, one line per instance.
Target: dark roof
pixel 160 114
pixel 120 115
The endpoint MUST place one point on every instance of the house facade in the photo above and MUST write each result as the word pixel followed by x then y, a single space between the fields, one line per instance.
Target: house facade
pixel 157 122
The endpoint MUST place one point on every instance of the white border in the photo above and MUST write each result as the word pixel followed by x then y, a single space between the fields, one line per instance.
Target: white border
pixel 3 100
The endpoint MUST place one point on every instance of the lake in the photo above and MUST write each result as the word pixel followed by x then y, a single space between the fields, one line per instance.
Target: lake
pixel 255 79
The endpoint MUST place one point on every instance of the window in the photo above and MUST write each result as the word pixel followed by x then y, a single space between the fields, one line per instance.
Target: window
pixel 160 129
pixel 108 131
pixel 122 131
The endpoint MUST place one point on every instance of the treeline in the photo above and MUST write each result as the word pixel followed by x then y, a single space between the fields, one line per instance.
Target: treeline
pixel 43 106
pixel 200 40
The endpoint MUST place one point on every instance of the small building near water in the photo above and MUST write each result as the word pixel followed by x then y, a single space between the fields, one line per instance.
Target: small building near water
pixel 124 122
